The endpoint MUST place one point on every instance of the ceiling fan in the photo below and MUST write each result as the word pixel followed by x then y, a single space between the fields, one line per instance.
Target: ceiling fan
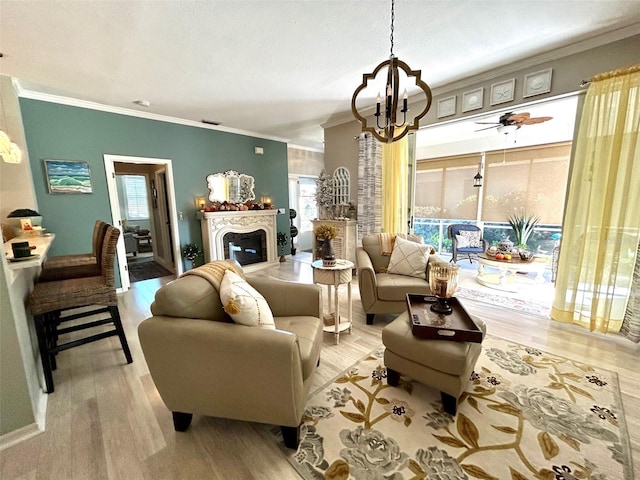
pixel 511 120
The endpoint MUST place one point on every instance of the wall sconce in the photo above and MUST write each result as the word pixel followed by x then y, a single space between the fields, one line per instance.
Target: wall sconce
pixel 200 202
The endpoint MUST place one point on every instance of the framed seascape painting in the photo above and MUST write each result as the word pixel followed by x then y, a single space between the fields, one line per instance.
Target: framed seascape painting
pixel 67 176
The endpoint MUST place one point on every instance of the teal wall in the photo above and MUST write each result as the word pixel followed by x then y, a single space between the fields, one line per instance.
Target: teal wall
pixel 62 132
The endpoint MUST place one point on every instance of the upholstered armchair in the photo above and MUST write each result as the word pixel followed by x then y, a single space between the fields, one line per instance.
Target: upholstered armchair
pixel 381 291
pixel 466 239
pixel 203 363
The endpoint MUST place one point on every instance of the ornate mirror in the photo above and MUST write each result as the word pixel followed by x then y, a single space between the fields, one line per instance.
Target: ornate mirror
pixel 230 186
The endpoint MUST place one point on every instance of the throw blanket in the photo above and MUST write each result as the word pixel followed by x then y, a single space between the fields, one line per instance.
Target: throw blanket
pixel 213 272
pixel 387 240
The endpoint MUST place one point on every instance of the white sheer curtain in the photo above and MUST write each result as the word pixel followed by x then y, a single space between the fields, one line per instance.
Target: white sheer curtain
pixel 369 186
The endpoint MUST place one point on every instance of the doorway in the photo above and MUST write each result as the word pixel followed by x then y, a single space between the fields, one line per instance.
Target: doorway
pixel 302 198
pixel 143 206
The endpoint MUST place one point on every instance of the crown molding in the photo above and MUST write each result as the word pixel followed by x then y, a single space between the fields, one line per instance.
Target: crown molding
pixel 535 60
pixel 74 102
pixel 301 147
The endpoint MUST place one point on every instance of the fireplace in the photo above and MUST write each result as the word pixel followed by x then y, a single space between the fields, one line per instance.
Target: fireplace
pixel 246 248
pixel 248 236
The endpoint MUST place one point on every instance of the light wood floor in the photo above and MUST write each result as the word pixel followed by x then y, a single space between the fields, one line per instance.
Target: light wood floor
pixel 106 420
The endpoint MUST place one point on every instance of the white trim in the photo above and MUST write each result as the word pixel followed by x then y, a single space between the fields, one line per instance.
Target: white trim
pixel 109 161
pixel 21 434
pixel 300 147
pixel 75 102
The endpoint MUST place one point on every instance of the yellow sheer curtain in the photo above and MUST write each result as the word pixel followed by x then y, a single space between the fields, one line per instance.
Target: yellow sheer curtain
pixel 395 185
pixel 602 217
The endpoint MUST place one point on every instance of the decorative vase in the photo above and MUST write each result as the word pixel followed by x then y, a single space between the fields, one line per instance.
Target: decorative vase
pixel 328 256
pixel 505 245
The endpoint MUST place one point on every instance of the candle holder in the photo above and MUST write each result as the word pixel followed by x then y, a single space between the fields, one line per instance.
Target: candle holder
pixel 443 281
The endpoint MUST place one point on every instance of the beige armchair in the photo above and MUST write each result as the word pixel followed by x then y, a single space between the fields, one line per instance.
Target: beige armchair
pixel 382 292
pixel 203 363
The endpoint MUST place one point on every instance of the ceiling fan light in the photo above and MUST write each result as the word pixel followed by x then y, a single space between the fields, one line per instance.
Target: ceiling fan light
pixel 507 129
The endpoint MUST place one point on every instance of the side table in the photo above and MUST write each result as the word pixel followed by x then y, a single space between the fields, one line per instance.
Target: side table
pixel 335 276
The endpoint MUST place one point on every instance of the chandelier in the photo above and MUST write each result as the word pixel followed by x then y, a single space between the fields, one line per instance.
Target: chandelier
pixel 391 118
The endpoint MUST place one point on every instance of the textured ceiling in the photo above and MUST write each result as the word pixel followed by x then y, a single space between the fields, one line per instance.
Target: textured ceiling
pixel 280 68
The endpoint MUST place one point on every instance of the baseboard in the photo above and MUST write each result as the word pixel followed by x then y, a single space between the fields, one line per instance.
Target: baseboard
pixel 10 439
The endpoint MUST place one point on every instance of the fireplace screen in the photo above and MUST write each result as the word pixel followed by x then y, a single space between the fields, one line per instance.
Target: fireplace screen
pixel 246 248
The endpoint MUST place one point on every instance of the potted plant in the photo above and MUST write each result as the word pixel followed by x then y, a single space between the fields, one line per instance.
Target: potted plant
pixel 325 233
pixel 522 226
pixel 282 241
pixel 192 252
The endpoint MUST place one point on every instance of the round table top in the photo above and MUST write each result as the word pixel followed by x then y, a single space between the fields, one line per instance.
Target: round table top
pixel 340 265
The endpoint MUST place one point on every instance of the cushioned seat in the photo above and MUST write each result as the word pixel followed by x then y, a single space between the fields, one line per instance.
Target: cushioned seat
pixel 472 237
pixel 442 364
pixel 382 292
pixel 202 362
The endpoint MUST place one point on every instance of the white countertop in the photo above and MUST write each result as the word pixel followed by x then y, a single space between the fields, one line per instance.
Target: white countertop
pixel 42 245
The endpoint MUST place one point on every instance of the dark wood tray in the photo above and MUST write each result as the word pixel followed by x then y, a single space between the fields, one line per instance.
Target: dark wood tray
pixel 457 326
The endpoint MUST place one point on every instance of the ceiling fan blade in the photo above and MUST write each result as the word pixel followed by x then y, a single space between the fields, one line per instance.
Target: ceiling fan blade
pixel 534 120
pixel 486 128
pixel 519 117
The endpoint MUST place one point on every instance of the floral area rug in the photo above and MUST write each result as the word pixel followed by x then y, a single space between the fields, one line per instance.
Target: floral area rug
pixel 526 414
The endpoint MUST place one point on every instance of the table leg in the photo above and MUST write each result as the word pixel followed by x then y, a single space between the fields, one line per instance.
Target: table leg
pixel 337 317
pixel 349 305
pixel 330 298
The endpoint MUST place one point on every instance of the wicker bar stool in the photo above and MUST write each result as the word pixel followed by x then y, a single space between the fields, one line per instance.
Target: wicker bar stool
pixel 81 265
pixel 49 299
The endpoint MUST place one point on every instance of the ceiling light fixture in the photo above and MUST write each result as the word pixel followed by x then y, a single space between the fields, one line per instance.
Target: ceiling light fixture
pixel 507 129
pixel 143 103
pixel 392 127
pixel 477 179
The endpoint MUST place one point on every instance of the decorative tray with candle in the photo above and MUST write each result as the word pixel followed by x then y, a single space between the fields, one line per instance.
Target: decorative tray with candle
pixel 457 326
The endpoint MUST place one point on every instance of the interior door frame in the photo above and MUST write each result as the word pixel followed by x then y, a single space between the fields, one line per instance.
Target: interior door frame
pixel 109 161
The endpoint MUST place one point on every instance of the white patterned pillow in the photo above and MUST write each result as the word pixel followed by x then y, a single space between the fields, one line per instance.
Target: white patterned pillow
pixel 462 241
pixel 243 303
pixel 409 258
pixel 473 237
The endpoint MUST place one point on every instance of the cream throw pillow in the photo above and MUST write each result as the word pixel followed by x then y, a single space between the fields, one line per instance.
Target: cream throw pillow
pixel 409 258
pixel 243 303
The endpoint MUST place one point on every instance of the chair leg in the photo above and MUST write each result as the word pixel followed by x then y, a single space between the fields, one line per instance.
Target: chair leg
pixel 115 315
pixel 449 403
pixel 181 420
pixel 370 318
pixel 291 436
pixel 45 357
pixel 393 377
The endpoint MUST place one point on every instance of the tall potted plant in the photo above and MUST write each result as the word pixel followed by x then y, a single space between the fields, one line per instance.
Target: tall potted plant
pixel 522 226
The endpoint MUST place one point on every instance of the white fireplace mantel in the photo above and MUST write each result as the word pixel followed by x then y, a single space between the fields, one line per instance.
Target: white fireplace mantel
pixel 215 225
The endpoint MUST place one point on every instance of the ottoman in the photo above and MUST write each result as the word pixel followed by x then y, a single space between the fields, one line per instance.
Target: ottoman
pixel 442 364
